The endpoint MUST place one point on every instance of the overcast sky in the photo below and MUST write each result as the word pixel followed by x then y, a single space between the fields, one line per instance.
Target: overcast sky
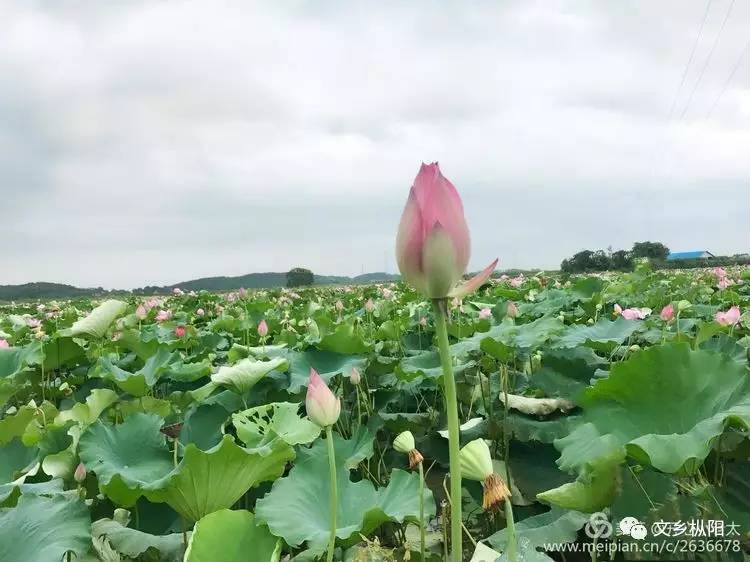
pixel 151 142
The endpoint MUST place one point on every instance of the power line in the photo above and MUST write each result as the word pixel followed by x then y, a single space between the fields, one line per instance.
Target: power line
pixel 708 59
pixel 690 60
pixel 729 80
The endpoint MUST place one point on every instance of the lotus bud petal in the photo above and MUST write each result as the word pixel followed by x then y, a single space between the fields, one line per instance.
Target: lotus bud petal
pixel 323 407
pixel 667 313
pixel 369 305
pixel 263 328
pixel 511 310
pixel 141 312
pixel 4 344
pixel 355 377
pixel 180 331
pixel 79 475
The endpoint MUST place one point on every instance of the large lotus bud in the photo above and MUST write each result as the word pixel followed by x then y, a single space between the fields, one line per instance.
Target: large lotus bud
pixel 433 246
pixel 404 443
pixel 323 408
pixel 141 312
pixel 263 328
pixel 476 464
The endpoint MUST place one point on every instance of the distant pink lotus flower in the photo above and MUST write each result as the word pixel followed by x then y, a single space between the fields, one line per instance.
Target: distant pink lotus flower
pixel 163 315
pixel 369 305
pixel 4 344
pixel 485 313
pixel 141 312
pixel 720 272
pixel 200 312
pixel 504 277
pixel 387 293
pixel 242 292
pixel 511 311
pixel 177 291
pixel 635 313
pixel 355 377
pixel 339 305
pixel 617 309
pixel 153 302
pixel 263 328
pixel 323 408
pixel 728 318
pixel 179 331
pixel 40 308
pixel 517 281
pixel 231 297
pixel 724 282
pixel 33 323
pixel 667 313
pixel 433 246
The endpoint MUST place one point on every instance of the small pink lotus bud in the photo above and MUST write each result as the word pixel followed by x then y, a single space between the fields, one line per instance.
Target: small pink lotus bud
pixel 339 305
pixel 485 313
pixel 369 305
pixel 4 344
pixel 354 376
pixel 511 311
pixel 179 331
pixel 141 312
pixel 263 328
pixel 728 318
pixel 80 473
pixel 617 309
pixel 323 408
pixel 667 313
pixel 200 312
pixel 242 292
pixel 432 246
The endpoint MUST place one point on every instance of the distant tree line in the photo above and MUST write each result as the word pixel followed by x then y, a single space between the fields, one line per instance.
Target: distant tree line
pixel 620 260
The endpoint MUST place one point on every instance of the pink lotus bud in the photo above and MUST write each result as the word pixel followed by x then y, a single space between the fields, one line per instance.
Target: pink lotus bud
pixel 354 376
pixel 432 246
pixel 369 305
pixel 720 272
pixel 485 313
pixel 339 305
pixel 80 473
pixel 177 291
pixel 141 312
pixel 263 328
pixel 163 315
pixel 511 310
pixel 618 309
pixel 242 292
pixel 200 312
pixel 667 313
pixel 323 408
pixel 728 318
pixel 4 344
pixel 179 331
pixel 387 293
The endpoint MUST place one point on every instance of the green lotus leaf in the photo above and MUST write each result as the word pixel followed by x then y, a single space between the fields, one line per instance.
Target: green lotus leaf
pixel 17 462
pixel 265 424
pixel 235 534
pixel 426 365
pixel 62 351
pixel 344 339
pixel 555 526
pixel 327 363
pixel 603 334
pixel 204 425
pixel 14 360
pixel 138 383
pixel 14 425
pixel 566 372
pixel 43 529
pixel 208 481
pixel 361 508
pixel 132 542
pixel 665 406
pixel 98 320
pixel 127 457
pixel 245 374
pixel 9 493
pixel 188 372
pixel 85 414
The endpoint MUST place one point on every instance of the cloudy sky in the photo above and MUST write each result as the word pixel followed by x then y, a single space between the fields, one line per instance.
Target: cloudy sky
pixel 156 141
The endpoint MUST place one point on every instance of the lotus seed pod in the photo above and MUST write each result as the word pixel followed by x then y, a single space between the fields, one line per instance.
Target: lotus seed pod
pixel 404 442
pixel 476 461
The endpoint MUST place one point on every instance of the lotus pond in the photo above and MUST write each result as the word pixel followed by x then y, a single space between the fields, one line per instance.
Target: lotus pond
pixel 175 428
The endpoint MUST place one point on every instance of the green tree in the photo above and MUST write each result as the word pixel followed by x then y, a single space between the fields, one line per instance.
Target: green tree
pixel 299 276
pixel 652 250
pixel 622 260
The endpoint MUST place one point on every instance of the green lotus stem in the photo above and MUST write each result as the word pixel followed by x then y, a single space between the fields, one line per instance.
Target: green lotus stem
pixel 422 539
pixel 511 526
pixel 334 499
pixel 451 405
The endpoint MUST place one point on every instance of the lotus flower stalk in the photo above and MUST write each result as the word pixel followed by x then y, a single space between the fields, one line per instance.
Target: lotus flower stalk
pixel 433 250
pixel 404 443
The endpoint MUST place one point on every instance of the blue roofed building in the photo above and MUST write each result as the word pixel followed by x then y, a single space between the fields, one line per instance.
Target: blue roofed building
pixel 694 255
